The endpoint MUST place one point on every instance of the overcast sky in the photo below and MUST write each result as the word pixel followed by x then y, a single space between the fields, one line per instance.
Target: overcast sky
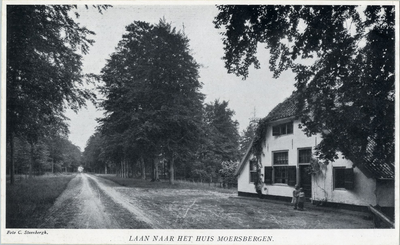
pixel 259 92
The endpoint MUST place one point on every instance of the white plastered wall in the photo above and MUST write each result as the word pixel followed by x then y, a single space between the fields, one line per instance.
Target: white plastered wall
pixel 244 184
pixel 323 189
pixel 291 143
pixel 322 185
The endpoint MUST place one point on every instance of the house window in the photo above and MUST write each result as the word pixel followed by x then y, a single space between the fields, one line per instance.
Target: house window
pixel 281 158
pixel 282 129
pixel 305 155
pixel 253 171
pixel 281 174
pixel 343 178
pixel 338 177
pixel 280 167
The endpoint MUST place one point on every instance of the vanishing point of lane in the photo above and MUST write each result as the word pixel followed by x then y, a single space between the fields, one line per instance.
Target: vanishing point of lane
pixel 88 203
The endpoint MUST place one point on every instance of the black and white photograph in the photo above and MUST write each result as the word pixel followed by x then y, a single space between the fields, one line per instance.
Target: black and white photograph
pixel 199 122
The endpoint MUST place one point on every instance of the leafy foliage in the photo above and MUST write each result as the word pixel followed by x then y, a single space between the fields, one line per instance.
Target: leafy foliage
pixel 43 67
pixel 223 130
pixel 248 135
pixel 344 60
pixel 50 154
pixel 219 141
pixel 153 104
pixel 227 171
pixel 44 74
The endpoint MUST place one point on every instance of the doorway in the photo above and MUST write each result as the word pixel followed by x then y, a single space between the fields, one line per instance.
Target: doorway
pixel 305 180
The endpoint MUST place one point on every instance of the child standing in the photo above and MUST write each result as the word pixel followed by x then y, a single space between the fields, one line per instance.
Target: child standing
pixel 295 199
pixel 301 199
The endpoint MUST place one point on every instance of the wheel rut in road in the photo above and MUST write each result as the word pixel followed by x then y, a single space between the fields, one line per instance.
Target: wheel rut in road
pixel 87 203
pixel 125 203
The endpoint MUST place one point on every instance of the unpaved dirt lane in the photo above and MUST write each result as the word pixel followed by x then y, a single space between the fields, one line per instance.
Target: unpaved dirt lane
pixel 88 204
pixel 125 203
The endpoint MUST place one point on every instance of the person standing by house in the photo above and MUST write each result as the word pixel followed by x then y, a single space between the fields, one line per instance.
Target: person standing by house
pixel 295 199
pixel 301 199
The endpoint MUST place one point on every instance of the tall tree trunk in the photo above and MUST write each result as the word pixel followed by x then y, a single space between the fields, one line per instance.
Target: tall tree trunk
pixel 31 161
pixel 52 166
pixel 123 169
pixel 143 168
pixel 130 174
pixel 127 169
pixel 12 177
pixel 105 168
pixel 171 170
pixel 155 164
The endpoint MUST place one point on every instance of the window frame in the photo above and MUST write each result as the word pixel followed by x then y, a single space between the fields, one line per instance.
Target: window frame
pixel 252 172
pixel 298 155
pixel 283 129
pixel 347 178
pixel 280 152
pixel 335 178
pixel 277 168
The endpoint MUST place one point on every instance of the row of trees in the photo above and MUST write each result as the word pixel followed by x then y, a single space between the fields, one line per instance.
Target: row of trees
pixel 44 78
pixel 154 111
pixel 49 154
pixel 216 153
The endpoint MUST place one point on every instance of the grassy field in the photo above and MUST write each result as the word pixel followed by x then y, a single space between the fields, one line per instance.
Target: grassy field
pixel 164 184
pixel 187 205
pixel 29 199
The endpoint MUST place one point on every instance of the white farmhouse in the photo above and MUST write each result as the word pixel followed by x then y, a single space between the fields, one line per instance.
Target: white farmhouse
pixel 286 161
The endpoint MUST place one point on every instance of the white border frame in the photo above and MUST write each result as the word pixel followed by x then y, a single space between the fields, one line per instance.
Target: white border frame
pixel 63 236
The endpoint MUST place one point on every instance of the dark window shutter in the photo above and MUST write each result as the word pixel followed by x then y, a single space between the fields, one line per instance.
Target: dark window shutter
pixel 292 175
pixel 268 175
pixel 349 178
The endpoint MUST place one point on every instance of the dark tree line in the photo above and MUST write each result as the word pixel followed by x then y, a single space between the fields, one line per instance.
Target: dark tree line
pixel 52 154
pixel 44 76
pixel 155 111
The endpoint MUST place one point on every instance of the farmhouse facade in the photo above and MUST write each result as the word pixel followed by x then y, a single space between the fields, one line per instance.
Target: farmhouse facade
pixel 287 160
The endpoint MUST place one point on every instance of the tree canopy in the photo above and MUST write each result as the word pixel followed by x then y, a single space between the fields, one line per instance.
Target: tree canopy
pixel 152 100
pixel 44 76
pixel 223 130
pixel 343 58
pixel 218 146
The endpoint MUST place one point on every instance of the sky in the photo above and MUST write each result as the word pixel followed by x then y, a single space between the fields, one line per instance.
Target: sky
pixel 255 96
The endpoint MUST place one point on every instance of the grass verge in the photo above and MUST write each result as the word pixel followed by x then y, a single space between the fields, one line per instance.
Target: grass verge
pixel 28 200
pixel 140 183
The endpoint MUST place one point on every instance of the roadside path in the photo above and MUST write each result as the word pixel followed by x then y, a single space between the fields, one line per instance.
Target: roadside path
pixel 125 203
pixel 88 203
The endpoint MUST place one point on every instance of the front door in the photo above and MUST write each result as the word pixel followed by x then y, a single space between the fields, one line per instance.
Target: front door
pixel 305 180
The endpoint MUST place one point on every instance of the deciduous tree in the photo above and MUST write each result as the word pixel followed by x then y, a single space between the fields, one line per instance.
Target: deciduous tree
pixel 152 93
pixel 343 57
pixel 44 76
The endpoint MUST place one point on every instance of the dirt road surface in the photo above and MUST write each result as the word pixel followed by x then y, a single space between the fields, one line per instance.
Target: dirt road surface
pixel 94 202
pixel 91 204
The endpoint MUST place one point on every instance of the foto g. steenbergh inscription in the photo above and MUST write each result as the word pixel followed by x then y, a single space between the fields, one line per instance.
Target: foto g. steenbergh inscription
pixel 26 232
